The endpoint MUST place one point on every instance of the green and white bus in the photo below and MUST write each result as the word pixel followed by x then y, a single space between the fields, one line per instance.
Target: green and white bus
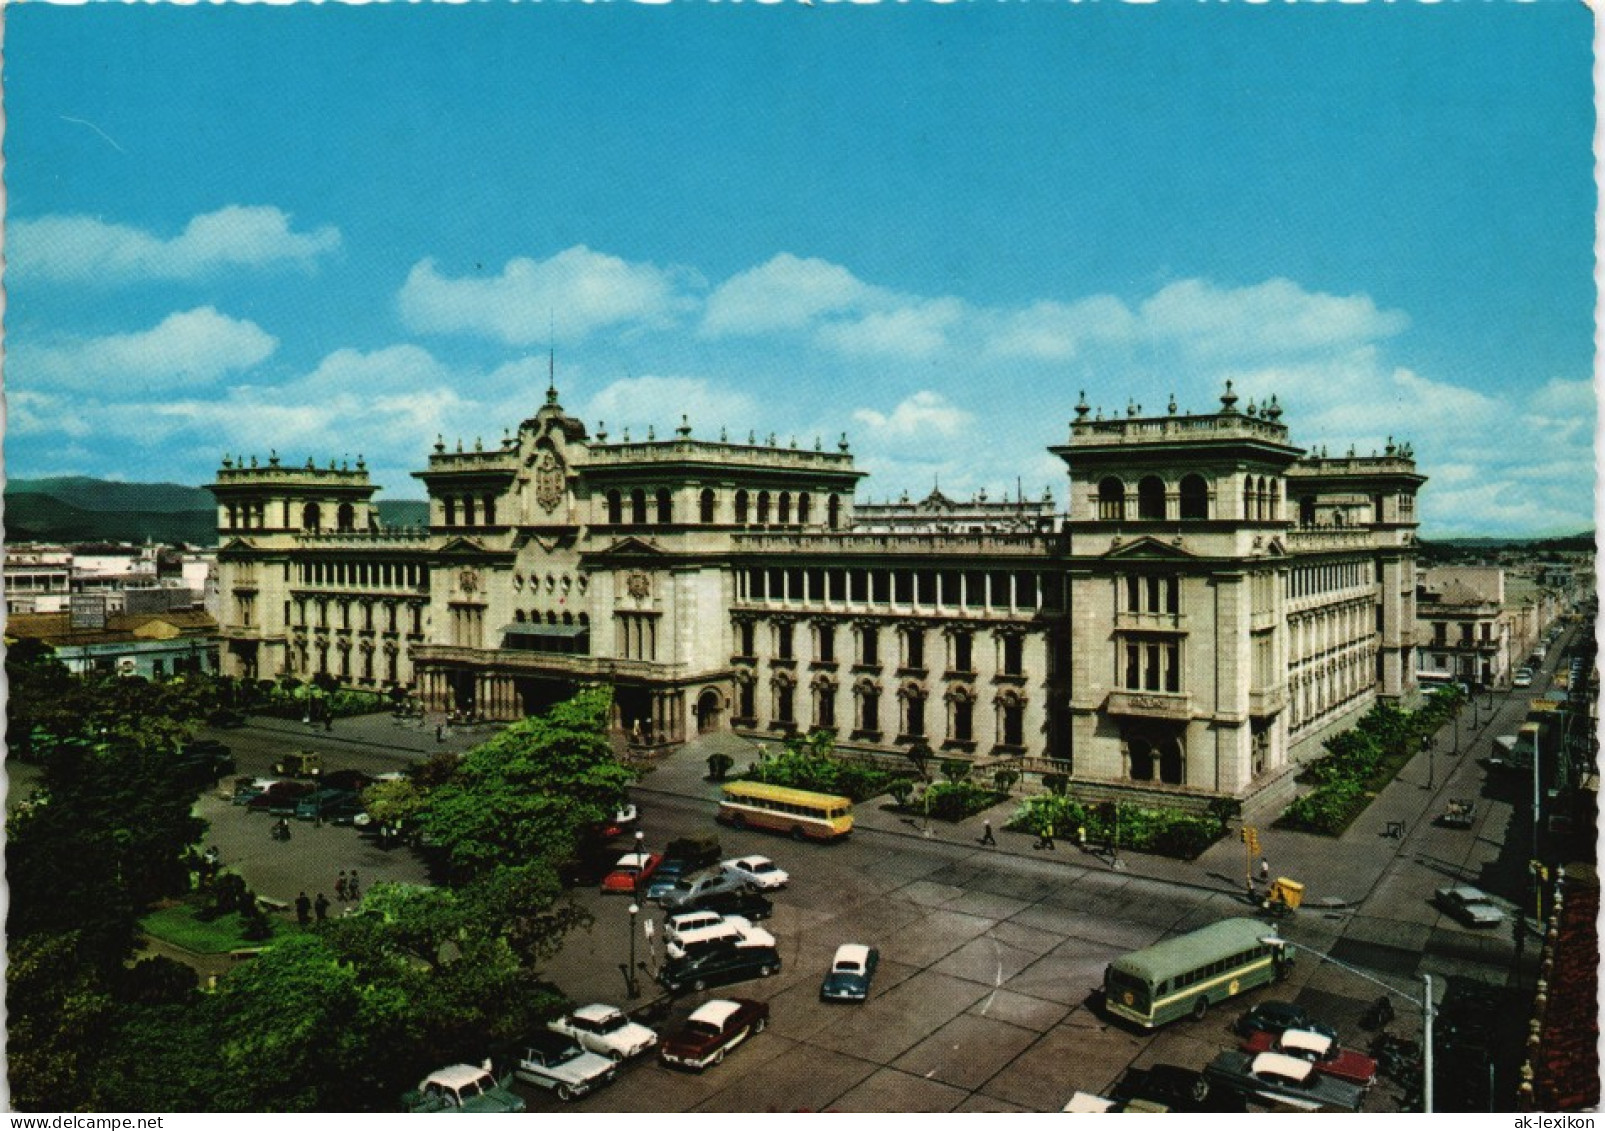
pixel 1184 976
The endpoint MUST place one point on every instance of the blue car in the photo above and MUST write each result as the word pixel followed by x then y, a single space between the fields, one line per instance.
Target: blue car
pixel 850 973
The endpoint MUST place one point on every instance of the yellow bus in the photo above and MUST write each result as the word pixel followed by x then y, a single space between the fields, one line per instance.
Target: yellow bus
pixel 798 812
pixel 1184 976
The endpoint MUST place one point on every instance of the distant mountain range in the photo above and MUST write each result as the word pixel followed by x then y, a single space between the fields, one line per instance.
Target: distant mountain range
pixel 80 509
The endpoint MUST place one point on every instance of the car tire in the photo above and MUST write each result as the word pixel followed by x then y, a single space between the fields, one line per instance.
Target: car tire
pixel 564 1094
pixel 718 1057
pixel 797 833
pixel 1200 1008
pixel 737 821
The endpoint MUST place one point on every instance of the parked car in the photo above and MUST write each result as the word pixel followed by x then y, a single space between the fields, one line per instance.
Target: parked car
pixel 354 780
pixel 1471 906
pixel 1277 1080
pixel 731 931
pixel 713 1030
pixel 663 879
pixel 1460 813
pixel 713 966
pixel 1522 678
pixel 850 972
pixel 632 872
pixel 750 905
pixel 1320 1050
pixel 555 1062
pixel 280 798
pixel 687 889
pixel 1277 1016
pixel 683 855
pixel 625 818
pixel 204 760
pixel 246 788
pixel 328 804
pixel 1168 1087
pixel 605 1030
pixel 759 871
pixel 462 1087
pixel 692 924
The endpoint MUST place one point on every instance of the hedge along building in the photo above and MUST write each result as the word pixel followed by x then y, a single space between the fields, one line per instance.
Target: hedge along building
pixel 1213 602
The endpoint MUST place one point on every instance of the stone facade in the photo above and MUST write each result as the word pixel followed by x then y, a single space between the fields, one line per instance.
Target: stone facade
pixel 1212 602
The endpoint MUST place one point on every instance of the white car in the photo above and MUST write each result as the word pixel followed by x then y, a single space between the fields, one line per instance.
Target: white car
pixel 676 928
pixel 606 1030
pixel 759 871
pixel 732 930
pixel 1523 678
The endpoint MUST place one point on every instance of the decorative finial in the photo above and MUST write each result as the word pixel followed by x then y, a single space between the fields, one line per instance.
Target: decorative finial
pixel 684 431
pixel 1389 450
pixel 1131 407
pixel 479 444
pixel 626 433
pixel 1082 407
pixel 1228 399
pixel 819 443
pixel 601 431
pixel 273 457
pixel 650 434
pixel 361 466
pixel 253 461
pixel 841 445
pixel 724 434
pixel 1172 405
pixel 310 465
pixel 1252 411
pixel 459 445
pixel 228 461
pixel 794 443
pixel 440 442
pixel 1274 412
pixel 752 436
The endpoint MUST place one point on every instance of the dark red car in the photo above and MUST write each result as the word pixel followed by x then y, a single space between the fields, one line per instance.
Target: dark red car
pixel 633 872
pixel 1329 1058
pixel 279 798
pixel 713 1030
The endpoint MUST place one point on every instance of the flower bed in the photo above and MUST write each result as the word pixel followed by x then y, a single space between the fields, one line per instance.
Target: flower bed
pixel 951 801
pixel 1161 831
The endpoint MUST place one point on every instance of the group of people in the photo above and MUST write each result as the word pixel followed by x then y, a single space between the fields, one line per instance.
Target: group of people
pixel 347 889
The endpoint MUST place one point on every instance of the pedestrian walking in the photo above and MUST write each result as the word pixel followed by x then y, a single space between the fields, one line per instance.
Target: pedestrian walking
pixel 1264 870
pixel 340 886
pixel 328 722
pixel 440 732
pixel 303 909
pixel 986 832
pixel 1081 837
pixel 1047 837
pixel 352 891
pixel 321 907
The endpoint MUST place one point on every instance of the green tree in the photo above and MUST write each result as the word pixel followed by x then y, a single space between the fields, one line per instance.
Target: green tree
pixel 58 1009
pixel 532 791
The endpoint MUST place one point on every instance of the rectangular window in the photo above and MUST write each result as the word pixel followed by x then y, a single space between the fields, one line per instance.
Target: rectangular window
pixel 881 586
pixel 783 641
pixel 859 586
pixel 914 641
pixel 827 643
pixel 868 653
pixel 1013 655
pixel 962 642
pixel 903 582
pixel 838 584
pixel 746 638
pixel 927 587
pixel 1133 667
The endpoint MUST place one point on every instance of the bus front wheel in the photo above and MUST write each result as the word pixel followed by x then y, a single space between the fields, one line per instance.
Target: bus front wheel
pixel 737 821
pixel 797 833
pixel 1200 1007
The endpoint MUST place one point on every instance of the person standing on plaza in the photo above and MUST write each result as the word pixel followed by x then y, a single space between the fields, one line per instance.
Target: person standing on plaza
pixel 321 907
pixel 340 886
pixel 303 909
pixel 986 832
pixel 352 892
pixel 1264 870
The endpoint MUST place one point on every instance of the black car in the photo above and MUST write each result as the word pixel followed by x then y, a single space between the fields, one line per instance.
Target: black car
pixel 1167 1087
pixel 1279 1016
pixel 204 760
pixel 750 905
pixel 715 966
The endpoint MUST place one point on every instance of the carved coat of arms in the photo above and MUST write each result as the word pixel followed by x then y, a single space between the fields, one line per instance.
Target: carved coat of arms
pixel 548 480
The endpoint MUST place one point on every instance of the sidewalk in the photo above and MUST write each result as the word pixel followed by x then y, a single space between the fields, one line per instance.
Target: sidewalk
pixel 1336 871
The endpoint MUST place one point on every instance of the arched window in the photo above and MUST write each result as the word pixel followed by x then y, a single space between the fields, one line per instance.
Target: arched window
pixel 1151 498
pixel 1306 511
pixel 490 510
pixel 346 517
pixel 1112 499
pixel 708 502
pixel 1276 502
pixel 802 508
pixel 1260 499
pixel 741 508
pixel 763 508
pixel 638 506
pixel 312 517
pixel 833 512
pixel 468 510
pixel 784 508
pixel 1248 499
pixel 1194 497
pixel 665 506
pixel 615 508
pixel 1142 760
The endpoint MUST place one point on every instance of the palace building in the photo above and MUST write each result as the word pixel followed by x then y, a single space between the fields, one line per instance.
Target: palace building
pixel 1213 600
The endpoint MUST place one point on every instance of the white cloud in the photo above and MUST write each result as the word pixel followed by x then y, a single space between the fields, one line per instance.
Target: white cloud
pixel 786 293
pixel 193 347
pixel 917 329
pixel 572 294
pixel 637 402
pixel 1269 318
pixel 85 249
pixel 921 416
pixel 1058 331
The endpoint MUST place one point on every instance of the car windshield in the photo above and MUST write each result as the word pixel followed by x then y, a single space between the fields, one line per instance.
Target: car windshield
pixel 848 966
pixel 610 1023
pixel 763 866
pixel 701 1029
pixel 564 1055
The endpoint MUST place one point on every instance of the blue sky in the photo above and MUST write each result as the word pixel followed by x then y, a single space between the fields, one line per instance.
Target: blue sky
pixel 332 230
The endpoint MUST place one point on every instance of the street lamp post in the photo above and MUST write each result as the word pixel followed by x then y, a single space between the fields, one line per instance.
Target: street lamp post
pixel 1425 1005
pixel 631 986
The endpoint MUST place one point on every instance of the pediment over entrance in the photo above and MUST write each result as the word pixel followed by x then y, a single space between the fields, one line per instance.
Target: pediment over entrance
pixel 629 548
pixel 1149 548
